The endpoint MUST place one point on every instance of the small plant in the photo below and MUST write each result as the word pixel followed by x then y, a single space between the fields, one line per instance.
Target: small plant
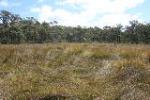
pixel 146 56
pixel 101 54
pixel 73 50
pixel 129 54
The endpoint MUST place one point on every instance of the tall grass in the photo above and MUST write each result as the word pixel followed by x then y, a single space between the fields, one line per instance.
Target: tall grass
pixel 74 72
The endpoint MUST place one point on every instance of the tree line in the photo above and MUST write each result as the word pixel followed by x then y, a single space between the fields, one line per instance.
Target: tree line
pixel 15 29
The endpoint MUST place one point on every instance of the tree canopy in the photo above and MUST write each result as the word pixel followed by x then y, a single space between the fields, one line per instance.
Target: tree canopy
pixel 15 29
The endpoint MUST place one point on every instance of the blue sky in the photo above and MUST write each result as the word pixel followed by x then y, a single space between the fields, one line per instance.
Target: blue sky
pixel 81 12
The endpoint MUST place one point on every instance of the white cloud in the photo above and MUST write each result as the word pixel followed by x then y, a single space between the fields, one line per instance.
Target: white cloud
pixel 110 6
pixel 40 1
pixel 6 3
pixel 111 11
pixel 3 3
pixel 45 12
pixel 121 18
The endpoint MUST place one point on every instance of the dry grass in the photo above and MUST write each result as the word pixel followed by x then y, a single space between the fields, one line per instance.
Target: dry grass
pixel 74 72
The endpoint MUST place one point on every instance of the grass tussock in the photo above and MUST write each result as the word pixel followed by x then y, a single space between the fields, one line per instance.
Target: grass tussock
pixel 74 72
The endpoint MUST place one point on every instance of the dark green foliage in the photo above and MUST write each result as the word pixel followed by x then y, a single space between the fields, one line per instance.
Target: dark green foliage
pixel 14 29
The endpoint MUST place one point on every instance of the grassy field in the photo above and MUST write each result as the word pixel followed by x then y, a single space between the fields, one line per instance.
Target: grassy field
pixel 68 71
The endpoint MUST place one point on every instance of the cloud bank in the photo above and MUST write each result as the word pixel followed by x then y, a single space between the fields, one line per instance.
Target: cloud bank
pixel 90 13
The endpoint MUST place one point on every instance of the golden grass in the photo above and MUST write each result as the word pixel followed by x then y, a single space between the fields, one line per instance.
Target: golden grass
pixel 75 71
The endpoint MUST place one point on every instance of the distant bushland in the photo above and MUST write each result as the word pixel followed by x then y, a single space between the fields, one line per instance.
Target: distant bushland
pixel 15 29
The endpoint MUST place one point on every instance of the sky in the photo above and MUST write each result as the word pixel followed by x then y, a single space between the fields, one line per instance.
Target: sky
pixel 88 13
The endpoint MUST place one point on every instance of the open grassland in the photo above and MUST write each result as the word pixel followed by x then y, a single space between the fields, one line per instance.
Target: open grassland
pixel 68 71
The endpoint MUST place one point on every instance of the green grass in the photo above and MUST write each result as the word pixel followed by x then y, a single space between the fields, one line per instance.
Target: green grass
pixel 70 71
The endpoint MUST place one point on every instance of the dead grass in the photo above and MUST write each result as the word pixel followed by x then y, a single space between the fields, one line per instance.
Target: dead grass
pixel 75 72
